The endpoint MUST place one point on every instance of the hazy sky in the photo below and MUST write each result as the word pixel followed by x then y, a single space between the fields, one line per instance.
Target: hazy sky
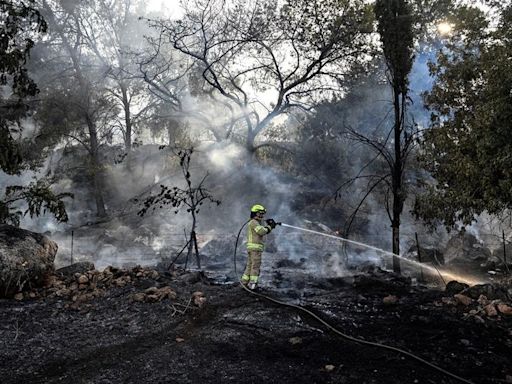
pixel 167 7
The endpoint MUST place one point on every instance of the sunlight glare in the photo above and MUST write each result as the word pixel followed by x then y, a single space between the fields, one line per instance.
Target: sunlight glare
pixel 445 28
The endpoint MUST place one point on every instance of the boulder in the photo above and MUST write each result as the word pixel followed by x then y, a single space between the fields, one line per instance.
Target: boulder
pixel 464 248
pixel 454 287
pixel 26 259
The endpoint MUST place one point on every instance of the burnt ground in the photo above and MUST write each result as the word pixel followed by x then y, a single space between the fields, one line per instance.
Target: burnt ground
pixel 235 337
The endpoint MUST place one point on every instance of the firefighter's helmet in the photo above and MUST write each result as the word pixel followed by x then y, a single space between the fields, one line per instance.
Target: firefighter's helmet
pixel 258 208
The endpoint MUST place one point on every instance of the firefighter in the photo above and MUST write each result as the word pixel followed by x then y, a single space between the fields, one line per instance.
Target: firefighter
pixel 256 231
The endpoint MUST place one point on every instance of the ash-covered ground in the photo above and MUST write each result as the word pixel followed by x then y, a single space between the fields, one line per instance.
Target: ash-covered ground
pixel 141 325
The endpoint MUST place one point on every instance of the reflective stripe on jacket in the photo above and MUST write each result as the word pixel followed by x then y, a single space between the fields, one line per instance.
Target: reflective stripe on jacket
pixel 255 233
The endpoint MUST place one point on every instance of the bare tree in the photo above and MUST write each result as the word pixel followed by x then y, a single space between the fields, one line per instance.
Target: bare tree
pixel 111 31
pixel 192 196
pixel 254 61
pixel 394 25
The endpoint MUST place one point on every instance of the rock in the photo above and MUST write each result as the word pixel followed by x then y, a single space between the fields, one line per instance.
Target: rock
pixel 151 290
pixel 191 277
pixel 26 259
pixel 83 279
pixel 488 290
pixel 167 292
pixel 504 309
pixel 295 340
pixel 63 292
pixel 454 287
pixel 390 300
pixel 198 299
pixel 153 298
pixel 463 299
pixel 81 267
pixel 139 297
pixel 18 296
pixel 180 339
pixel 329 367
pixel 490 310
pixel 464 248
pixel 483 300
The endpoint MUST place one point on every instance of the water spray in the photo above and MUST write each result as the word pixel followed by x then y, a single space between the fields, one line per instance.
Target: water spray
pixel 448 275
pixel 335 330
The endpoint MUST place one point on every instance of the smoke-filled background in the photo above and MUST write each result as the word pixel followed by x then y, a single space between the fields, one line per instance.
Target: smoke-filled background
pixel 125 85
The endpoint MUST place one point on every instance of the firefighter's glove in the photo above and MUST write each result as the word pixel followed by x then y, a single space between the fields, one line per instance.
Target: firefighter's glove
pixel 271 223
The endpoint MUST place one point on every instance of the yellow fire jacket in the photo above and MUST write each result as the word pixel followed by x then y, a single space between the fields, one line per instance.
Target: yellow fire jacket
pixel 255 233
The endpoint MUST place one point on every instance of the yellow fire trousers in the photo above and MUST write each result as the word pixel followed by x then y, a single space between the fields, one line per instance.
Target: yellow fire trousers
pixel 252 268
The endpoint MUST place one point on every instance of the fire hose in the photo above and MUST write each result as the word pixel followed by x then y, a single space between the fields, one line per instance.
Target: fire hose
pixel 338 332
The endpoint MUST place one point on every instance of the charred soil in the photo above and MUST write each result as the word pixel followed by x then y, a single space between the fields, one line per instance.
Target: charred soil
pixel 198 331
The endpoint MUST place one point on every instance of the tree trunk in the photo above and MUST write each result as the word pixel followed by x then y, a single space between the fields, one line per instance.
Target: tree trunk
pixel 85 86
pixel 96 169
pixel 127 119
pixel 397 182
pixel 192 246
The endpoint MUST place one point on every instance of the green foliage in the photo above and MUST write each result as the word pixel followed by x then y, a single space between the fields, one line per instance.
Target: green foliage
pixel 38 199
pixel 468 149
pixel 394 23
pixel 19 24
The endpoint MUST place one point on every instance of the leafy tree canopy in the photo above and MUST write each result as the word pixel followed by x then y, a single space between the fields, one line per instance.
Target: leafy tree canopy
pixel 468 149
pixel 19 24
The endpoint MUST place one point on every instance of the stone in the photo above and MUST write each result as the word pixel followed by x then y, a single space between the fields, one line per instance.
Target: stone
pixel 152 298
pixel 198 299
pixel 390 300
pixel 465 249
pixel 63 292
pixel 167 292
pixel 463 299
pixel 490 310
pixel 295 340
pixel 26 259
pixel 483 300
pixel 504 309
pixel 329 367
pixel 151 291
pixel 139 297
pixel 454 287
pixel 83 279
pixel 18 296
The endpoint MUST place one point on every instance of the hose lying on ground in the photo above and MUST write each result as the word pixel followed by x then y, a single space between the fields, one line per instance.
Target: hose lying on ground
pixel 338 332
